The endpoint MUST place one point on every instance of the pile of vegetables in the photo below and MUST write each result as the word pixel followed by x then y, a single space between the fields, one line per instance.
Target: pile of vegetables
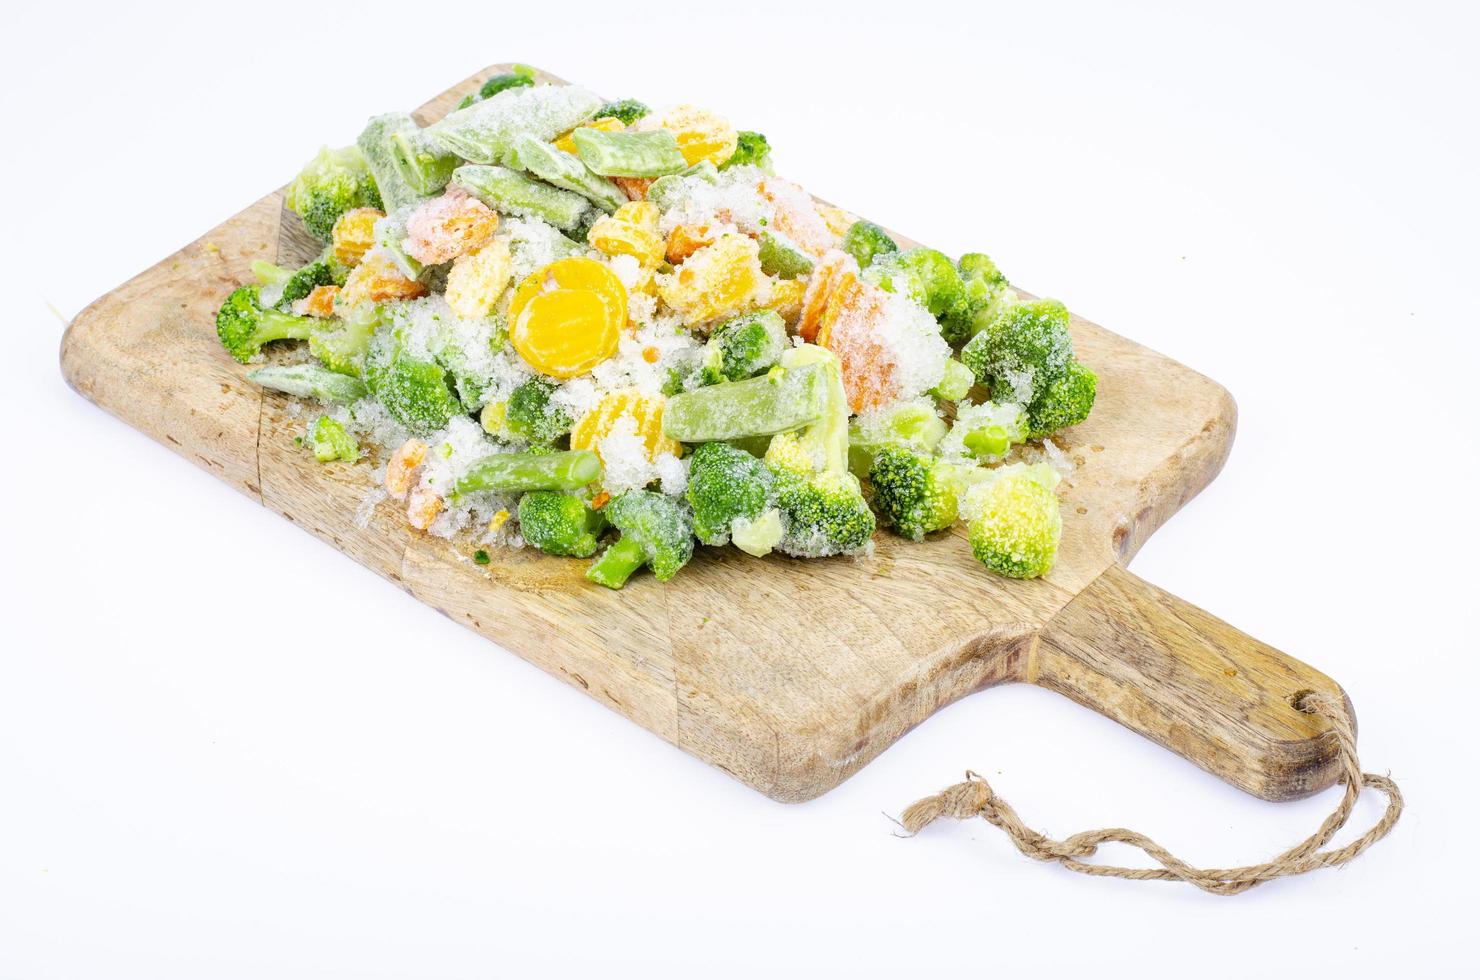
pixel 617 335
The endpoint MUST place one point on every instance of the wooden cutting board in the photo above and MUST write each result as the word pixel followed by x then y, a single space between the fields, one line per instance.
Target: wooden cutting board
pixel 788 674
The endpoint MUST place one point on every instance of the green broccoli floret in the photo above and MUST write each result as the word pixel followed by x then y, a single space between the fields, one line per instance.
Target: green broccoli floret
pixel 743 347
pixel 331 441
pixel 924 275
pixel 416 392
pixel 330 184
pixel 625 111
pixel 281 288
pixel 1066 401
pixel 865 240
pixel 530 415
pixel 244 326
pixel 912 424
pixel 915 493
pixel 656 531
pixel 821 504
pixel 986 293
pixel 751 149
pixel 560 523
pixel 730 493
pixel 521 77
pixel 1026 356
pixel 1016 527
pixel 341 344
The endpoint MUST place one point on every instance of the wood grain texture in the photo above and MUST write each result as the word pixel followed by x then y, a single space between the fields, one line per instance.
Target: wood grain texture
pixel 789 674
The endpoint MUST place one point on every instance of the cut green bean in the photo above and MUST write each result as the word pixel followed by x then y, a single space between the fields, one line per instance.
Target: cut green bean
pixel 564 170
pixel 483 132
pixel 375 144
pixel 653 153
pixel 513 193
pixel 420 164
pixel 311 381
pixel 522 472
pixel 775 402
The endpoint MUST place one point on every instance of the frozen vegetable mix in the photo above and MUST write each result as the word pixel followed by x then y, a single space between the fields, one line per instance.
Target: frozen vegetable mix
pixel 611 332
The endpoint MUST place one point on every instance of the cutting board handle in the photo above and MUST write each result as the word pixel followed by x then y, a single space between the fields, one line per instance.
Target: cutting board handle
pixel 1188 680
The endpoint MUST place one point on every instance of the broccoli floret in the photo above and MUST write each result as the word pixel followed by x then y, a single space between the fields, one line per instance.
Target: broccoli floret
pixel 417 393
pixel 341 344
pixel 914 493
pixel 925 276
pixel 751 149
pixel 986 292
pixel 521 77
pixel 821 504
pixel 625 111
pixel 560 523
pixel 743 347
pixel 530 415
pixel 913 425
pixel 1066 401
pixel 330 184
pixel 656 531
pixel 1016 525
pixel 331 441
pixel 1026 356
pixel 730 493
pixel 244 325
pixel 864 240
pixel 281 288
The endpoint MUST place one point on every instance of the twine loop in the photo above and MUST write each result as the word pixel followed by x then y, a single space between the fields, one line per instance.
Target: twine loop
pixel 974 797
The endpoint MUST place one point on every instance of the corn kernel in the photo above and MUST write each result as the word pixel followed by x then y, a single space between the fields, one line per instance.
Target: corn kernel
pixel 478 279
pixel 498 520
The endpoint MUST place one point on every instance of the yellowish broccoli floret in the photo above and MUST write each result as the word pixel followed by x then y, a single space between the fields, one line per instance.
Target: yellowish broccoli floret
pixel 1015 524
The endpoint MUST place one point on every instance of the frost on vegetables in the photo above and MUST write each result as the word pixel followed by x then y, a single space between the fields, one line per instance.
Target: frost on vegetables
pixel 613 333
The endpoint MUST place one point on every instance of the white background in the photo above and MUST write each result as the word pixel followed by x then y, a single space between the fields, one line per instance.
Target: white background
pixel 227 751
